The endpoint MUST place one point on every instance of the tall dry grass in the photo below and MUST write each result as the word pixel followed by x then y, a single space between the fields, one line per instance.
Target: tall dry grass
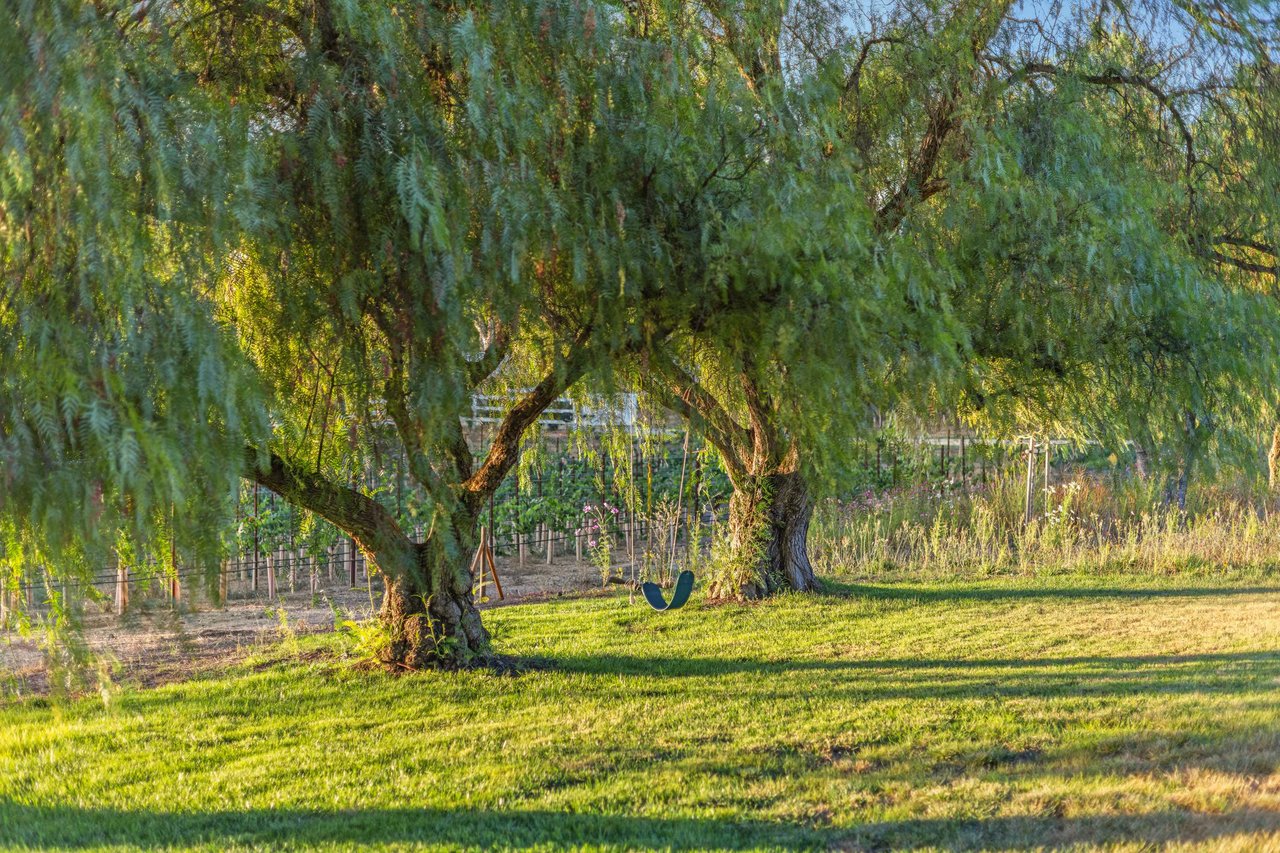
pixel 1083 523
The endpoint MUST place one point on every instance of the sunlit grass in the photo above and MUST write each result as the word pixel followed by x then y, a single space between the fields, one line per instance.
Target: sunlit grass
pixel 1062 711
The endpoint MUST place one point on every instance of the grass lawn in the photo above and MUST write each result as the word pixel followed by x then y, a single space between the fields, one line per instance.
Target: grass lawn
pixel 1058 712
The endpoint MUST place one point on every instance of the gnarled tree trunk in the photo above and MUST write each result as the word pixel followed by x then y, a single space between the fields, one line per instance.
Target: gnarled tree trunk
pixel 429 612
pixel 427 608
pixel 768 528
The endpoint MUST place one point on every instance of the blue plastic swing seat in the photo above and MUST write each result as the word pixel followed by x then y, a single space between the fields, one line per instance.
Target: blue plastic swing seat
pixel 684 587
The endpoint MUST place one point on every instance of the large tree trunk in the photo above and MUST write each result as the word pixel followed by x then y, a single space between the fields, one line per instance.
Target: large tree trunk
pixel 768 528
pixel 429 613
pixel 427 609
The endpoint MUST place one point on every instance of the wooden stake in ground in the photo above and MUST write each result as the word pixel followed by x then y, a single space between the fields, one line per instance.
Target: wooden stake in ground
pixel 1031 478
pixel 255 538
pixel 1047 444
pixel 122 588
pixel 483 560
pixel 351 559
pixel 173 562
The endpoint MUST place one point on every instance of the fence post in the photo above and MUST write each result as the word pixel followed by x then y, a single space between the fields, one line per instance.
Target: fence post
pixel 173 562
pixel 351 560
pixel 1047 445
pixel 1031 478
pixel 122 588
pixel 942 455
pixel 255 539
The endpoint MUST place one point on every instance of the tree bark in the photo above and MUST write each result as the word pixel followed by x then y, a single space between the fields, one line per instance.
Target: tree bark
pixel 427 608
pixel 768 530
pixel 429 613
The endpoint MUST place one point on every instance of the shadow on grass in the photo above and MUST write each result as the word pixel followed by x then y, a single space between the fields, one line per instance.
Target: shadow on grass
pixel 954 677
pixel 1055 833
pixel 910 592
pixel 71 827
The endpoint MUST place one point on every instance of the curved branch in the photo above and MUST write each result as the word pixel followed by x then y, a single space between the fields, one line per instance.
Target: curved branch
pixel 493 356
pixel 362 518
pixel 682 393
pixel 506 442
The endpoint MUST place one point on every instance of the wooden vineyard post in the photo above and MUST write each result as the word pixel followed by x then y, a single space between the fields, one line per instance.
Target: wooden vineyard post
pixel 1047 444
pixel 1031 478
pixel 176 588
pixel 551 545
pixel 122 588
pixel 351 561
pixel 222 582
pixel 478 560
pixel 256 543
pixel 942 457
pixel 521 545
pixel 271 575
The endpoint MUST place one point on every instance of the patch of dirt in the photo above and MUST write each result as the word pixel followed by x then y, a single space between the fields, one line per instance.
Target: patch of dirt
pixel 154 643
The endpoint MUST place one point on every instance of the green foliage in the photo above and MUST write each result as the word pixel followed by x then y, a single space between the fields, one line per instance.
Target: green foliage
pixel 123 403
pixel 306 234
pixel 369 640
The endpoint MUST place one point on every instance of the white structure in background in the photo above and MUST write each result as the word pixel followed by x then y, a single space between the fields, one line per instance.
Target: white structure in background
pixel 620 411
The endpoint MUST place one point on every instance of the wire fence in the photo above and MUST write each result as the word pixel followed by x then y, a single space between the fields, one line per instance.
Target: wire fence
pixel 670 499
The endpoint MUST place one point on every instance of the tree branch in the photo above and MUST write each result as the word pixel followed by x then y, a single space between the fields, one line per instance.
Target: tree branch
pixel 1242 264
pixel 493 356
pixel 919 182
pixel 506 442
pixel 359 516
pixel 1124 78
pixel 680 392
